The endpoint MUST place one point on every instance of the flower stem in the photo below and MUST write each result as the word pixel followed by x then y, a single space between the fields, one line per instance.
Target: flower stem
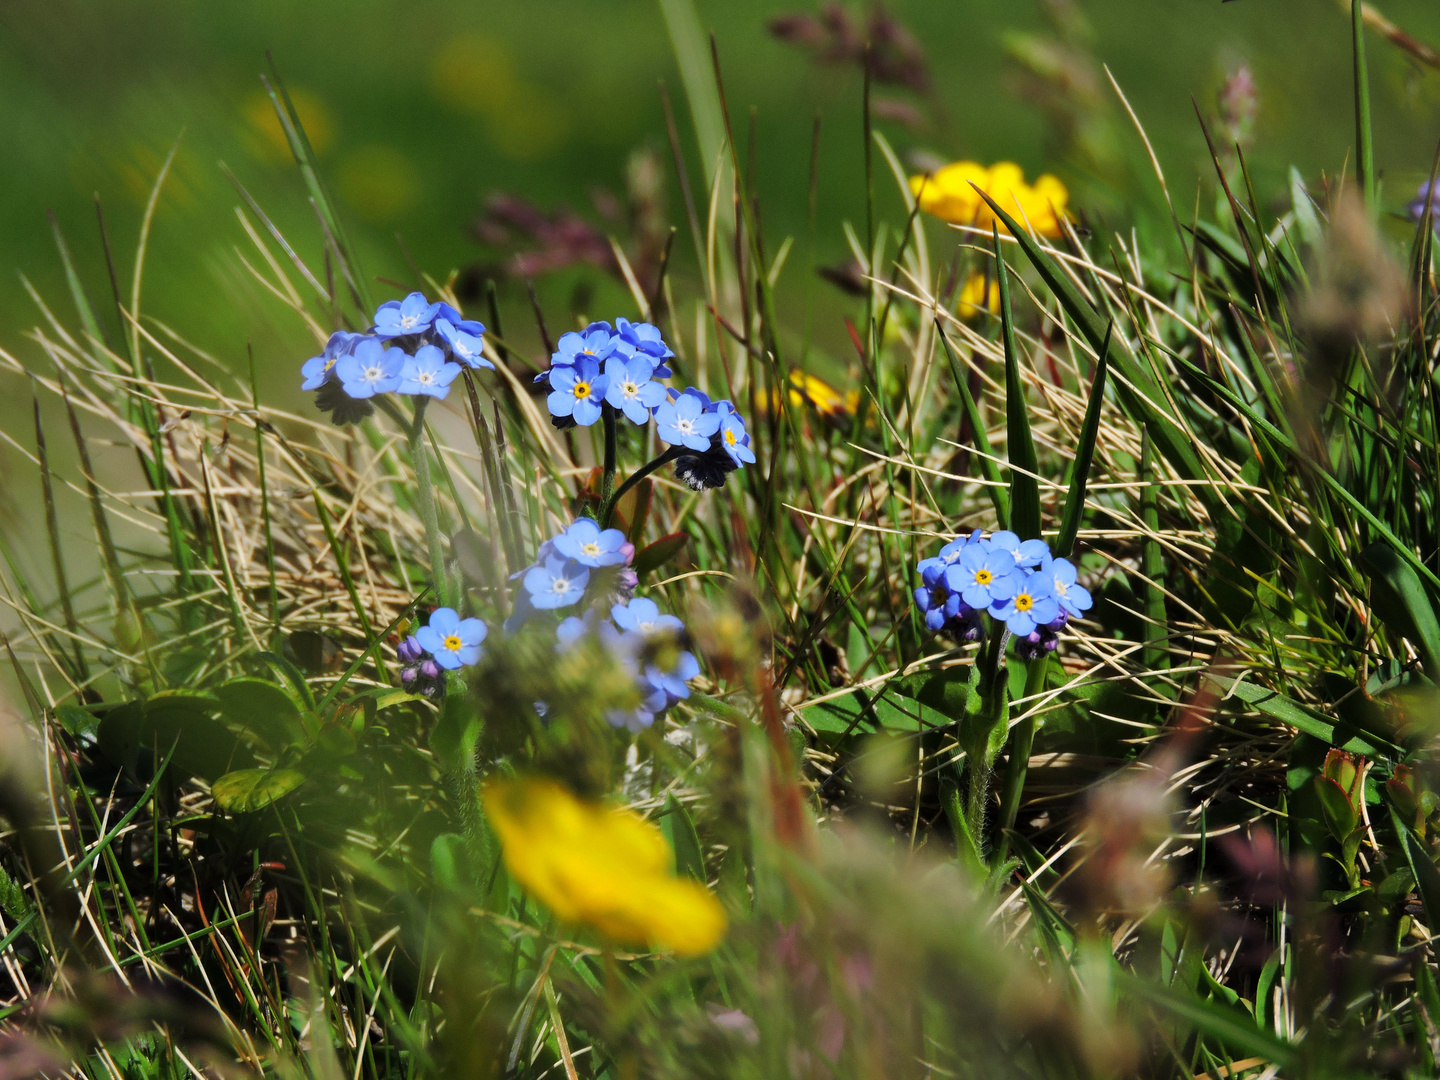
pixel 607 508
pixel 607 480
pixel 978 731
pixel 425 498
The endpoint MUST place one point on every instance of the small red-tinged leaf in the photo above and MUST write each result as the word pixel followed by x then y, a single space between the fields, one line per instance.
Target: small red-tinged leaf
pixel 634 508
pixel 660 552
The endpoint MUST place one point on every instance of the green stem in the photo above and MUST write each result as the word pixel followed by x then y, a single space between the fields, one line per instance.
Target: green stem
pixel 425 499
pixel 1364 139
pixel 607 480
pixel 607 508
pixel 1020 747
pixel 984 711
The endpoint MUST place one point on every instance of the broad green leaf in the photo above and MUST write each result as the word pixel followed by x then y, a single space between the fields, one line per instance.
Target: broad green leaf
pixel 137 734
pixel 679 828
pixel 1084 454
pixel 1400 600
pixel 450 863
pixel 1340 816
pixel 1020 447
pixel 656 555
pixel 262 707
pixel 247 790
pixel 1229 1025
pixel 1427 877
pixel 1289 711
pixel 75 720
pixel 865 711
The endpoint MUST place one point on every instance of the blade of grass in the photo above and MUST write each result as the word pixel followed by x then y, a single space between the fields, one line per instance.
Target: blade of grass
pixel 1020 447
pixel 1084 455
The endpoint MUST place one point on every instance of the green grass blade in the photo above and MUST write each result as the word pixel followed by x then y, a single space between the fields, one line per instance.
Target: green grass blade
pixel 1364 135
pixel 342 563
pixel 682 21
pixel 52 530
pixel 1084 454
pixel 1020 446
pixel 1141 397
pixel 995 486
pixel 1401 602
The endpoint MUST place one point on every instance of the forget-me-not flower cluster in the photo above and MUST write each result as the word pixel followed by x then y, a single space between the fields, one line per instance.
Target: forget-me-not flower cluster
pixel 1017 582
pixel 620 368
pixel 446 643
pixel 415 347
pixel 648 643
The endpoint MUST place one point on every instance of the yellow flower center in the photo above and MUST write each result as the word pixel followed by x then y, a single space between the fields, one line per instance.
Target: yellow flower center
pixel 983 577
pixel 590 549
pixel 1024 602
pixel 581 390
pixel 453 643
pixel 729 437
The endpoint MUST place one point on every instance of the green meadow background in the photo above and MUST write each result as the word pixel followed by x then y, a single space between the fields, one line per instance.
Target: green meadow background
pixel 421 108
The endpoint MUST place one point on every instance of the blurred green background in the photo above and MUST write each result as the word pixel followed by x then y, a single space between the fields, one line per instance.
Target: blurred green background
pixel 421 108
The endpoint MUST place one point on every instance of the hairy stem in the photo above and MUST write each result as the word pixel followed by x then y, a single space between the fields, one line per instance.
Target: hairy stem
pixel 607 479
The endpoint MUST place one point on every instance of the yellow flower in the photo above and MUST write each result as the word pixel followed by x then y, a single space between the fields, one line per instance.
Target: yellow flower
pixel 806 389
pixel 968 306
pixel 948 195
pixel 604 867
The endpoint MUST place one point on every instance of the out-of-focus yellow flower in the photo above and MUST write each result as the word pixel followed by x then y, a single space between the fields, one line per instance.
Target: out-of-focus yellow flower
pixel 975 287
pixel 807 389
pixel 946 193
pixel 607 868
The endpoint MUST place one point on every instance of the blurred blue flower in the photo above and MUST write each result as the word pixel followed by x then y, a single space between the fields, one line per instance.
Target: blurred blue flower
pixel 1427 198
pixel 453 642
pixel 466 347
pixel 371 369
pixel 578 391
pixel 937 604
pixel 1075 599
pixel 1027 554
pixel 632 389
pixel 684 421
pixel 586 543
pixel 556 583
pixel 673 684
pixel 428 372
pixel 1030 605
pixel 734 439
pixel 643 616
pixel 982 577
pixel 413 315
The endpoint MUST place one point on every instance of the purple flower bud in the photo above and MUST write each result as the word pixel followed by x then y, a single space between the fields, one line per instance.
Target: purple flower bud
pixel 408 678
pixel 430 670
pixel 409 650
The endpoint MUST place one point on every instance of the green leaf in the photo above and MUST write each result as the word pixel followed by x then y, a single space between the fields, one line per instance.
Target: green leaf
pixel 1340 817
pixel 456 734
pixel 75 720
pixel 450 862
pixel 137 734
pixel 1138 392
pixel 1024 485
pixel 1400 600
pixel 1289 711
pixel 1084 454
pixel 247 790
pixel 1427 877
pixel 988 465
pixel 866 711
pixel 1227 1024
pixel 679 829
pixel 262 707
pixel 660 552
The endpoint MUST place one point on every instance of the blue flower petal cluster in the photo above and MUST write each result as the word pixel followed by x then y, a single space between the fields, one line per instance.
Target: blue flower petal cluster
pixel 414 347
pixel 1016 582
pixel 446 643
pixel 619 368
pixel 647 642
pixel 582 562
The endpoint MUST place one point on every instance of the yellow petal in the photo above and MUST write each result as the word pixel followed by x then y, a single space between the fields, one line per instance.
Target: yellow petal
pixel 608 868
pixel 969 304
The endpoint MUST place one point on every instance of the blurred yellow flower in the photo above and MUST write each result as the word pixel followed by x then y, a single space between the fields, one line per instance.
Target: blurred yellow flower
pixel 947 194
pixel 807 389
pixel 265 137
pixel 607 868
pixel 970 302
